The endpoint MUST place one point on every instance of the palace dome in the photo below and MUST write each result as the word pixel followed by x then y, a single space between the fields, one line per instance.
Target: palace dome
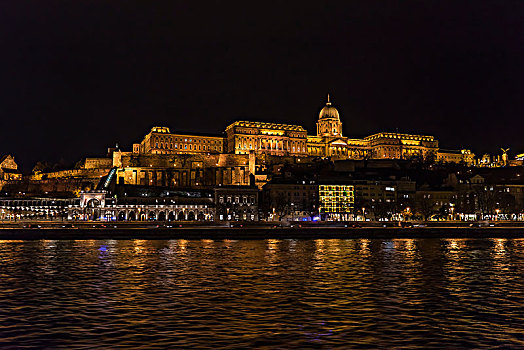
pixel 329 111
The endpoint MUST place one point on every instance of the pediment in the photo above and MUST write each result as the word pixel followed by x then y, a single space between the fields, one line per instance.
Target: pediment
pixel 338 142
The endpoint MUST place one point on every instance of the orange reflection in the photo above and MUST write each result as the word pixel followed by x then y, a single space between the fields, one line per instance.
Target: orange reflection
pixel 272 244
pixel 138 245
pixel 500 246
pixel 207 243
pixel 364 246
pixel 454 245
pixel 182 244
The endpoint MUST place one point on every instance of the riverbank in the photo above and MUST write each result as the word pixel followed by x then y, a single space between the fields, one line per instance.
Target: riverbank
pixel 162 233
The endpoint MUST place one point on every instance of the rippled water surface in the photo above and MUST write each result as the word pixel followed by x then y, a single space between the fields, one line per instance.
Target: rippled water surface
pixel 270 294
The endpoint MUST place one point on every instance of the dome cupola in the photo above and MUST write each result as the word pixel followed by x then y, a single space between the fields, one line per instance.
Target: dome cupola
pixel 329 124
pixel 328 111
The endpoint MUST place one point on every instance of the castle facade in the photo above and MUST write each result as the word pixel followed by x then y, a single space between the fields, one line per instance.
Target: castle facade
pixel 244 137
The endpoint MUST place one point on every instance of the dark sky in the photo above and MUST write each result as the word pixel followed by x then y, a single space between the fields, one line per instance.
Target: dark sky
pixel 78 76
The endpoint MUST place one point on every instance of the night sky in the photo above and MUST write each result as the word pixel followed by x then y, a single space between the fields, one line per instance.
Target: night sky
pixel 77 76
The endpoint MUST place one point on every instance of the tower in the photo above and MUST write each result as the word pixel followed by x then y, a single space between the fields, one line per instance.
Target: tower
pixel 329 123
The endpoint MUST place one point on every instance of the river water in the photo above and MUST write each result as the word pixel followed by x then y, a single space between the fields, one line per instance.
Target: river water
pixel 284 294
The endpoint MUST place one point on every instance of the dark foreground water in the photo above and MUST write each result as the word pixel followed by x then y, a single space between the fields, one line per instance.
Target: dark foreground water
pixel 270 294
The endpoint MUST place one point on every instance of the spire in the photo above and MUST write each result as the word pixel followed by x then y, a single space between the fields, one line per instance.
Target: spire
pixel 328 103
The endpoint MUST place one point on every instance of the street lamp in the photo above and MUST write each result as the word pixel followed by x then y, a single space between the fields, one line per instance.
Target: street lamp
pixel 497 211
pixel 364 213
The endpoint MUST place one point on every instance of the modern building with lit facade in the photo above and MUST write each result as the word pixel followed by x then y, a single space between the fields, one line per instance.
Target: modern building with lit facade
pixel 336 201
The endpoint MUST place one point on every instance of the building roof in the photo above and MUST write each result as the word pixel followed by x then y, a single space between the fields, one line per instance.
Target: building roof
pixel 396 135
pixel 160 129
pixel 328 111
pixel 165 130
pixel 264 125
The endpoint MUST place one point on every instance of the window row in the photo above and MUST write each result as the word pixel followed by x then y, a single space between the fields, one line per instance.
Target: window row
pixel 190 147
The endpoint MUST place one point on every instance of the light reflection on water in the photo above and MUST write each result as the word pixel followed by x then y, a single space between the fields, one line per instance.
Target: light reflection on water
pixel 366 293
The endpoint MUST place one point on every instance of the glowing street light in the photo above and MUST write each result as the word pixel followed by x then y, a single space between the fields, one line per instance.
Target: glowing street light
pixel 407 212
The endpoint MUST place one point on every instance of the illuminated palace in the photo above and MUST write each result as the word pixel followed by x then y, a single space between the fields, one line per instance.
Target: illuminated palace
pixel 245 137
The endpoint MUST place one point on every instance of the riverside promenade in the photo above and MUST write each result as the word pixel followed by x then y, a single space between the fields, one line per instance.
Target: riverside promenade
pixel 97 230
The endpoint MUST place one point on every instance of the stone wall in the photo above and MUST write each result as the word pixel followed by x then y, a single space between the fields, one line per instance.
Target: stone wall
pixel 98 163
pixel 183 170
pixel 71 173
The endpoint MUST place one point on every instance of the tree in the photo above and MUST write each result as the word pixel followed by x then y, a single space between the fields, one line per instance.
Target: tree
pixel 443 211
pixel 361 203
pixel 42 167
pixel 506 202
pixel 383 209
pixel 486 199
pixel 429 159
pixel 424 205
pixel 281 205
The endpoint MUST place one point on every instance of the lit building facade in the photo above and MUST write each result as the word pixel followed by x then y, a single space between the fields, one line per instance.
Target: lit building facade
pixel 236 203
pixel 329 141
pixel 183 170
pixel 245 137
pixel 9 169
pixel 455 156
pixel 160 140
pixel 388 145
pixel 269 138
pixel 336 201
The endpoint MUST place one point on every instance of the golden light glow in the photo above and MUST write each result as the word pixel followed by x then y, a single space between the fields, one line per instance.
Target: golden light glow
pixel 336 198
